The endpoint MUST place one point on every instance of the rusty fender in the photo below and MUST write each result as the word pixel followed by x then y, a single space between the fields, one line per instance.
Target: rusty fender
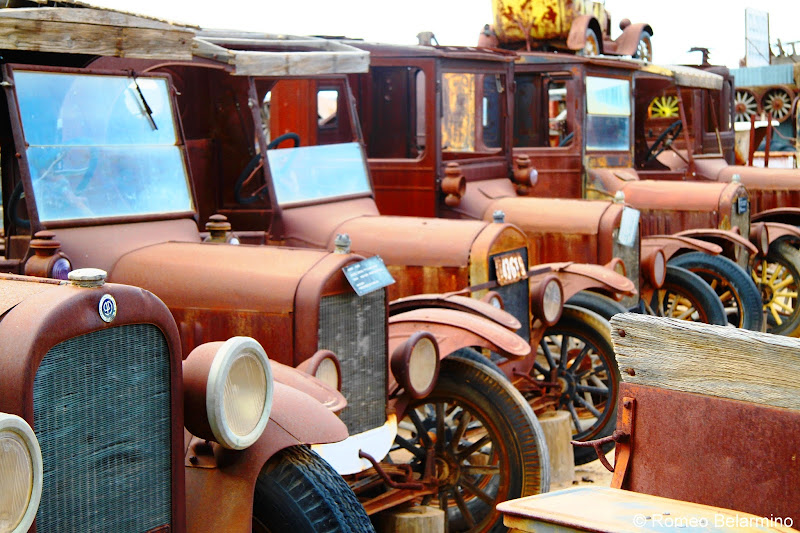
pixel 720 235
pixel 576 277
pixel 785 215
pixel 777 230
pixel 672 244
pixel 220 483
pixel 455 330
pixel 628 42
pixel 305 383
pixel 458 303
pixel 577 32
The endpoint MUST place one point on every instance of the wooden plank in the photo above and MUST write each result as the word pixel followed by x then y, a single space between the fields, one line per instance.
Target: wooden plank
pixel 714 360
pixel 299 63
pixel 94 39
pixel 90 15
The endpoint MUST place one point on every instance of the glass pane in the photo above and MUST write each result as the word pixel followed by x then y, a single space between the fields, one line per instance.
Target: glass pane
pixel 607 96
pixel 458 103
pixel 327 103
pixel 311 173
pixel 607 133
pixel 101 146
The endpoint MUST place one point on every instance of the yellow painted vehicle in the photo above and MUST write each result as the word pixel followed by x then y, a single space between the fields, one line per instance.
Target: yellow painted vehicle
pixel 582 26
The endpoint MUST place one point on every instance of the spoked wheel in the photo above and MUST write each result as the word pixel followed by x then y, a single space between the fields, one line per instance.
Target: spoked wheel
pixel 739 295
pixel 591 45
pixel 745 105
pixel 778 103
pixel 298 491
pixel 644 50
pixel 686 296
pixel 777 277
pixel 663 107
pixel 487 443
pixel 578 373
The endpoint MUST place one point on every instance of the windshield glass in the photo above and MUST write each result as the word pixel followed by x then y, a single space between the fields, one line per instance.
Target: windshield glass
pixel 101 146
pixel 472 119
pixel 311 173
pixel 608 113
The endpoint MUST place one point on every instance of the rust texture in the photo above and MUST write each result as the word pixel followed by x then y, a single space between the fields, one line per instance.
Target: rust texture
pixel 719 443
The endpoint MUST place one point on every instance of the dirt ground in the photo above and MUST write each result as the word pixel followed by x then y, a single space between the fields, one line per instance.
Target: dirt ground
pixel 593 473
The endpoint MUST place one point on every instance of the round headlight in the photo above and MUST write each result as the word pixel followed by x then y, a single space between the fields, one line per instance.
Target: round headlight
pixel 325 366
pixel 759 235
pixel 618 266
pixel 655 268
pixel 547 300
pixel 239 393
pixel 21 472
pixel 494 299
pixel 415 364
pixel 61 269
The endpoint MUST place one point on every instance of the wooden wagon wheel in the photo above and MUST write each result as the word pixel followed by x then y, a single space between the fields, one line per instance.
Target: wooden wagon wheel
pixel 746 105
pixel 777 102
pixel 663 107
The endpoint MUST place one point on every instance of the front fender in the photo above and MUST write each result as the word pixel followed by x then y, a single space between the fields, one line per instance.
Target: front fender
pixel 784 215
pixel 777 231
pixel 576 277
pixel 220 482
pixel 458 303
pixel 628 42
pixel 577 32
pixel 720 235
pixel 454 330
pixel 672 244
pixel 299 380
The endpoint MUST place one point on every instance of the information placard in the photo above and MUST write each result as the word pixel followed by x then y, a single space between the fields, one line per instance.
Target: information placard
pixel 628 227
pixel 368 275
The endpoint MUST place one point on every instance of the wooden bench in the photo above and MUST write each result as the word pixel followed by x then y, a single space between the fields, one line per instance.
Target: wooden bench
pixel 708 415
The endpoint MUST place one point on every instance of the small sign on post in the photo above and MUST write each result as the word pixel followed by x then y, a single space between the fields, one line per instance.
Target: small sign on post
pixel 368 275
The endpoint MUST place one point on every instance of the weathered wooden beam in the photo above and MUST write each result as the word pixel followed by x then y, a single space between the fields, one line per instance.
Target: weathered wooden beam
pixel 299 63
pixel 714 360
pixel 93 32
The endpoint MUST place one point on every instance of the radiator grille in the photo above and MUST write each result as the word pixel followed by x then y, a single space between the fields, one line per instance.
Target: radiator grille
pixel 516 297
pixel 354 328
pixel 102 416
pixel 629 256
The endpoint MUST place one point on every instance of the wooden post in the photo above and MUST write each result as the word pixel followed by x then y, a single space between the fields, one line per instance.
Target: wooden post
pixel 417 519
pixel 557 429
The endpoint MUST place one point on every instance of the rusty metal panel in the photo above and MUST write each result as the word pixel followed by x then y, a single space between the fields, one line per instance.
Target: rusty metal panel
pixel 545 19
pixel 696 448
pixel 412 280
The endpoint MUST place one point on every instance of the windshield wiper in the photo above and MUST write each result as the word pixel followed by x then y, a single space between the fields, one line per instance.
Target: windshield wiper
pixel 144 103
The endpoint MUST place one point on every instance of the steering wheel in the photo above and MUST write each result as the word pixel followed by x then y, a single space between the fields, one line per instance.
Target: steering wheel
pixel 664 140
pixel 253 165
pixel 567 139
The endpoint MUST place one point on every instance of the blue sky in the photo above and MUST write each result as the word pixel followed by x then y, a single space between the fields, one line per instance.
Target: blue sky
pixel 678 24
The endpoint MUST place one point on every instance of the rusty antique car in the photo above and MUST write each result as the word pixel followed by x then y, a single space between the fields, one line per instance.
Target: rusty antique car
pixel 574 119
pixel 685 122
pixel 97 391
pixel 99 154
pixel 309 193
pixel 581 26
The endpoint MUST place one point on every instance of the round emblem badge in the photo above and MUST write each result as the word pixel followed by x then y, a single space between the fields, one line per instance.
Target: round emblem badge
pixel 107 308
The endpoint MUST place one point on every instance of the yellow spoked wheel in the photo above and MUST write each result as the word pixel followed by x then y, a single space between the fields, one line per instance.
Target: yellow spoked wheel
pixel 663 107
pixel 777 277
pixel 778 103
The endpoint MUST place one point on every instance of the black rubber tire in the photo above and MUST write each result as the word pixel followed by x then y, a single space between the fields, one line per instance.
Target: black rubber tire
pixel 736 289
pixel 599 303
pixel 588 338
pixel 298 491
pixel 782 261
pixel 474 355
pixel 513 462
pixel 705 305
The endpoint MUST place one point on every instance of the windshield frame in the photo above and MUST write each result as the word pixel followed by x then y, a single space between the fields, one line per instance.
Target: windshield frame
pixel 24 173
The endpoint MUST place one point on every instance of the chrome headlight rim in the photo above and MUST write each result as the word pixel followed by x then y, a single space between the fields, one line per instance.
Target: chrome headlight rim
pixel 542 300
pixel 227 355
pixel 17 429
pixel 402 361
pixel 759 235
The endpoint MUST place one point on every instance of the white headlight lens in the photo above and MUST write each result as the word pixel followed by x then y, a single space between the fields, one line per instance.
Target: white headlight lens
pixel 239 393
pixel 21 472
pixel 328 373
pixel 553 300
pixel 245 392
pixel 659 268
pixel 534 177
pixel 422 364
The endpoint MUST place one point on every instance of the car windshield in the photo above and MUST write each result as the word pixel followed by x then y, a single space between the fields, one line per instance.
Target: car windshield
pixel 608 113
pixel 313 173
pixel 101 146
